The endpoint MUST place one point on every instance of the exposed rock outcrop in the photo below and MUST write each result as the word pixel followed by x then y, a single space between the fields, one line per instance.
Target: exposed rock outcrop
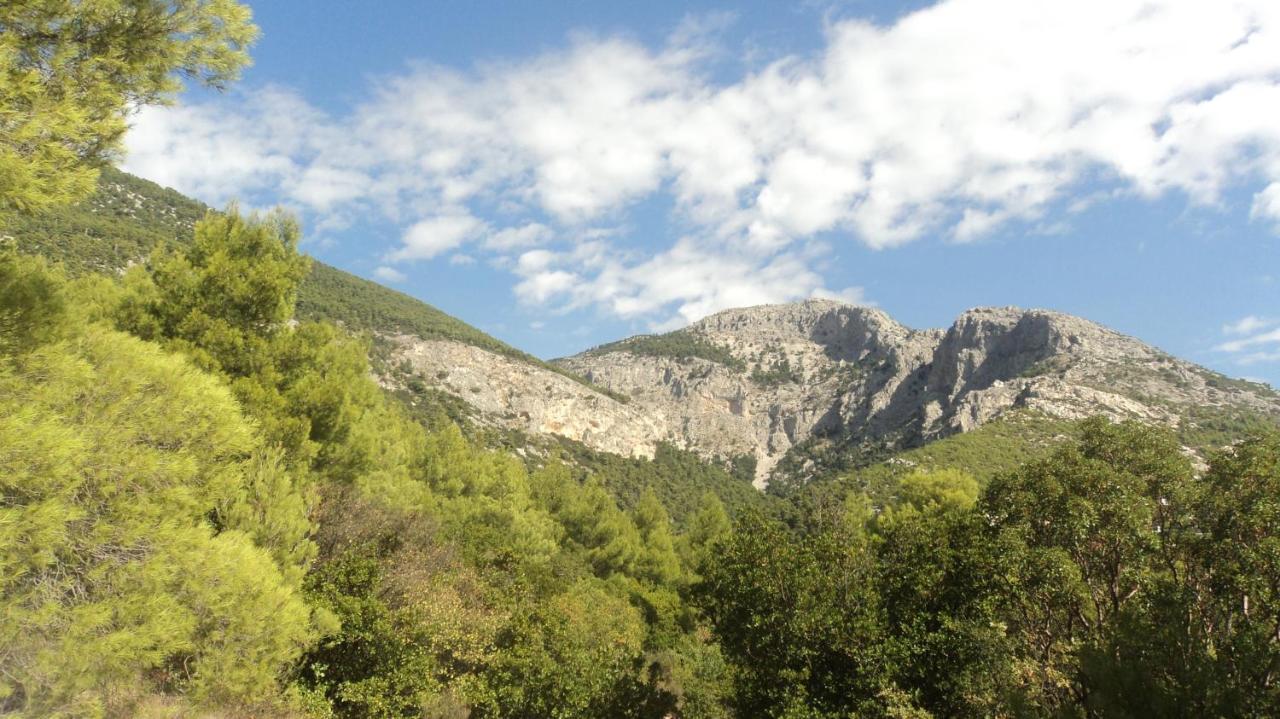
pixel 828 368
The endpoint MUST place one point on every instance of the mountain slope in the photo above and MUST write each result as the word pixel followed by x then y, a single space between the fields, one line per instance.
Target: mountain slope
pixel 783 381
pixel 128 217
pixel 797 391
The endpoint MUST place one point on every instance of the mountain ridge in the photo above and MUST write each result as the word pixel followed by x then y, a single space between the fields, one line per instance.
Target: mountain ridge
pixel 805 389
pixel 822 368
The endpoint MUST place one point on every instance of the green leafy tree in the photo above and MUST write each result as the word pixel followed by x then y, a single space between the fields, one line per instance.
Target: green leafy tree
pixel 592 521
pixel 227 300
pixel 1239 565
pixel 271 508
pixel 417 626
pixel 570 657
pixel 799 619
pixel 115 584
pixel 72 70
pixel 33 304
pixel 1086 536
pixel 225 296
pixel 707 527
pixel 659 561
pixel 938 582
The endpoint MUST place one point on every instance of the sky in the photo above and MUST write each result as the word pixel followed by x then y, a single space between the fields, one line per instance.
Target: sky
pixel 565 173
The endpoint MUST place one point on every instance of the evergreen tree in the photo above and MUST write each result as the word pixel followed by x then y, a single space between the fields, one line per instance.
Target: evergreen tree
pixel 708 526
pixel 33 305
pixel 659 562
pixel 70 72
pixel 113 458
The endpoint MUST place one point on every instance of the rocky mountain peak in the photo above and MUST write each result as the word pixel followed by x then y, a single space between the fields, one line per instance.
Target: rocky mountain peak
pixel 989 344
pixel 762 381
pixel 844 328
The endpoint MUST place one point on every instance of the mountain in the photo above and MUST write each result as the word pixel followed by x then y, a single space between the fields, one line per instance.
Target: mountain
pixel 779 393
pixel 127 217
pixel 777 381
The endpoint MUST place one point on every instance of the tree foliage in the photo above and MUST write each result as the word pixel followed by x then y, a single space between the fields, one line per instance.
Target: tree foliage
pixel 71 70
pixel 1105 579
pixel 114 456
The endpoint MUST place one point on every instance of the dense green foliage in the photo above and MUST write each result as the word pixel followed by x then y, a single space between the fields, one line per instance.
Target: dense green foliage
pixel 228 508
pixel 680 345
pixel 124 554
pixel 70 71
pixel 1102 580
pixel 677 477
pixel 120 223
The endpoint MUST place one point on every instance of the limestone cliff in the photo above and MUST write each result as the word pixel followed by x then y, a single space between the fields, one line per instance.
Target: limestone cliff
pixel 758 381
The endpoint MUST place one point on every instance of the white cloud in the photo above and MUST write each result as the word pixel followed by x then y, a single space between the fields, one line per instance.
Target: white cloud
pixel 1266 204
pixel 1258 343
pixel 953 121
pixel 1262 338
pixel 542 285
pixel 1247 325
pixel 322 187
pixel 427 238
pixel 512 238
pixel 389 274
pixel 263 141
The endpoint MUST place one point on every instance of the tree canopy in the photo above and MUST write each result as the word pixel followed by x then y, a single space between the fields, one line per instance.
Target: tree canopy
pixel 72 70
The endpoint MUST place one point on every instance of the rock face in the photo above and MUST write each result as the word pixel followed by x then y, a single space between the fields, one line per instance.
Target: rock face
pixel 785 373
pixel 515 394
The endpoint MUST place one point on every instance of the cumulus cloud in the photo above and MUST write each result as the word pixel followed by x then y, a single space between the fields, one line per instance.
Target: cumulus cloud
pixel 1247 325
pixel 263 141
pixel 427 238
pixel 1257 340
pixel 954 121
pixel 389 274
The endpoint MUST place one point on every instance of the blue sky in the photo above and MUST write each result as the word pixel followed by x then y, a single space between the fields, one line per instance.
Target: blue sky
pixel 562 174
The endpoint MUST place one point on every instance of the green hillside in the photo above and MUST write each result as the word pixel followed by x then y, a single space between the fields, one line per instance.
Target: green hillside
pixel 119 224
pixel 681 345
pixel 984 452
pixel 128 217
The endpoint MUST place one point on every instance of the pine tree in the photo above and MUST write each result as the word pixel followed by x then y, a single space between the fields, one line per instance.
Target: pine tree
pixel 70 71
pixel 659 562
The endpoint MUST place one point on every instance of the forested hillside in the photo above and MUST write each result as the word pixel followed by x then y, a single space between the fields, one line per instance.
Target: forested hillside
pixel 210 508
pixel 127 217
pixel 374 566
